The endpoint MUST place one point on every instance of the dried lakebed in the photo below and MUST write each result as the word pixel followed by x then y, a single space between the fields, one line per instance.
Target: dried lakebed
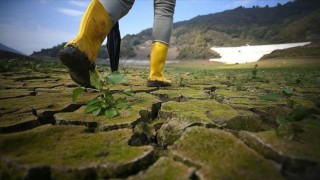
pixel 210 125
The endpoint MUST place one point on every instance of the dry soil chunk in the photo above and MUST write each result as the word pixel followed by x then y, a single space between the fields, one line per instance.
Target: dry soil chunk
pixel 207 112
pixel 18 122
pixel 66 151
pixel 40 101
pixel 166 168
pixel 141 106
pixel 14 93
pixel 221 156
pixel 180 94
pixel 301 151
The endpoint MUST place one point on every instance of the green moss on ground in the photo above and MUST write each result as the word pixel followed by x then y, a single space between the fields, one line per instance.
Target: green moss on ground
pixel 279 148
pixel 246 120
pixel 221 156
pixel 14 93
pixel 229 93
pixel 12 119
pixel 200 111
pixel 40 101
pixel 178 93
pixel 165 168
pixel 141 105
pixel 69 147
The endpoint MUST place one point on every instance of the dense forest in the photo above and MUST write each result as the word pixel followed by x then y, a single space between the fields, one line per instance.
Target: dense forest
pixel 294 21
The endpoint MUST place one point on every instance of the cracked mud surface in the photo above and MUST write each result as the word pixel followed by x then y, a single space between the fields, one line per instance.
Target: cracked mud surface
pixel 209 125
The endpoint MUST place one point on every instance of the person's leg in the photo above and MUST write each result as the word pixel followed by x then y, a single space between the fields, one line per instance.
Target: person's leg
pixel 162 27
pixel 113 47
pixel 79 54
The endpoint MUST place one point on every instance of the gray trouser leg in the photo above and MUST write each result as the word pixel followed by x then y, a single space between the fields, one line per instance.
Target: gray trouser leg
pixel 163 19
pixel 117 8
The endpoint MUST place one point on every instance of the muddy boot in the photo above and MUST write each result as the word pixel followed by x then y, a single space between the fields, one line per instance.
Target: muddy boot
pixel 79 54
pixel 78 65
pixel 158 57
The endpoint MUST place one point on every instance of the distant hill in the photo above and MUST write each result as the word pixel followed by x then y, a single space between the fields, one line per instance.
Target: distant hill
pixel 6 55
pixel 9 49
pixel 52 53
pixel 49 53
pixel 295 21
pixel 308 51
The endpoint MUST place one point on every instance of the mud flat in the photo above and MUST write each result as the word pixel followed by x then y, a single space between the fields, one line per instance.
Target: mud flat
pixel 208 125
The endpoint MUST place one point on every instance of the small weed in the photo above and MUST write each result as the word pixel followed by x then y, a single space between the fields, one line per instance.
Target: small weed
pixel 228 76
pixel 287 93
pixel 144 74
pixel 36 67
pixel 238 86
pixel 180 81
pixel 299 81
pixel 254 71
pixel 5 67
pixel 105 103
pixel 288 126
pixel 271 97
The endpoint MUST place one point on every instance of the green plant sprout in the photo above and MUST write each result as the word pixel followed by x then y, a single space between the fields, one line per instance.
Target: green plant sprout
pixel 254 71
pixel 287 93
pixel 288 126
pixel 238 86
pixel 299 81
pixel 35 67
pixel 105 103
pixel 180 80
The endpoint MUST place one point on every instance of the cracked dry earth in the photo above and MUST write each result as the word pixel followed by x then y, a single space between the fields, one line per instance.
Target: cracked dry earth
pixel 203 129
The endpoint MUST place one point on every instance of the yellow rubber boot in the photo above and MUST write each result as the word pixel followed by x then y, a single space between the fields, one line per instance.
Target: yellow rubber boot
pixel 95 25
pixel 158 58
pixel 79 54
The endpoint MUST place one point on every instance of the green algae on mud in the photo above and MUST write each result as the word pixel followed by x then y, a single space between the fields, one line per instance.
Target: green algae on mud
pixel 18 122
pixel 247 120
pixel 40 101
pixel 207 113
pixel 299 157
pixel 304 147
pixel 70 148
pixel 165 168
pixel 143 106
pixel 199 111
pixel 181 93
pixel 238 109
pixel 221 156
pixel 14 93
pixel 171 130
pixel 126 119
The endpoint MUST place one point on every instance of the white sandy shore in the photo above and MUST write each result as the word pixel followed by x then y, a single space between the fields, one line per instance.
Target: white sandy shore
pixel 246 54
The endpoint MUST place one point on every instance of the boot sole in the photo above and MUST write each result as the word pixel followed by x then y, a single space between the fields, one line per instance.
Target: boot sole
pixel 78 65
pixel 158 84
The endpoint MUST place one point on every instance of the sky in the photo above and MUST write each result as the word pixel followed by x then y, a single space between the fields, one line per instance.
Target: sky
pixel 31 25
